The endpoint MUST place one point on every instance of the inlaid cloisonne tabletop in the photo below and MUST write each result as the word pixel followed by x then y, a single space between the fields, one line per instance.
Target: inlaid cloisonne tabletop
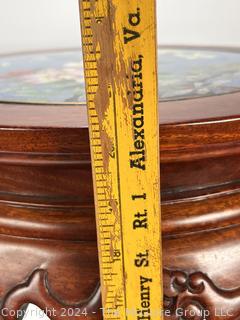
pixel 57 77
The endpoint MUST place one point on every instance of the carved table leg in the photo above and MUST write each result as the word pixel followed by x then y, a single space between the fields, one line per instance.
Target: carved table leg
pixel 36 290
pixel 63 283
pixel 195 296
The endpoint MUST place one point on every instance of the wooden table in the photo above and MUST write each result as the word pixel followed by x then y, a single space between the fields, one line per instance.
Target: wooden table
pixel 47 225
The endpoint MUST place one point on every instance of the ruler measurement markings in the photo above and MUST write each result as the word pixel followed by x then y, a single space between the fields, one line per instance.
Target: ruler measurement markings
pixel 89 92
pixel 102 184
pixel 96 135
pixel 88 44
pixel 86 36
pixel 102 189
pixel 91 77
pixel 99 170
pixel 93 84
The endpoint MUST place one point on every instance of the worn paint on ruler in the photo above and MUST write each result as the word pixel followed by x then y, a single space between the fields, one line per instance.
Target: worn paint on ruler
pixel 119 47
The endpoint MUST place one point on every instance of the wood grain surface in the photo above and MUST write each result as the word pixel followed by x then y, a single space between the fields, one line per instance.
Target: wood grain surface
pixel 47 223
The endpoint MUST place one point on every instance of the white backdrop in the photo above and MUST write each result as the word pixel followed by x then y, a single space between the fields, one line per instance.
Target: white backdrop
pixel 40 24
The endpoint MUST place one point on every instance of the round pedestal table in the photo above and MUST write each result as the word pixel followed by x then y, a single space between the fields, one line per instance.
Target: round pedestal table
pixel 48 244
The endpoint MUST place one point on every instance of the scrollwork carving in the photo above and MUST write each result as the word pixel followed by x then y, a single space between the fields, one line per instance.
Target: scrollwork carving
pixel 36 290
pixel 187 296
pixel 195 297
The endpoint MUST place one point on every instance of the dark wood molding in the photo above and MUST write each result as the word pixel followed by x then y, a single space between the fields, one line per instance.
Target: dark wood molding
pixel 194 295
pixel 187 296
pixel 36 289
pixel 47 224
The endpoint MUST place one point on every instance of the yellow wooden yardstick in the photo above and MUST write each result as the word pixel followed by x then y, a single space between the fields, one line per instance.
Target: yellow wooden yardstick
pixel 119 47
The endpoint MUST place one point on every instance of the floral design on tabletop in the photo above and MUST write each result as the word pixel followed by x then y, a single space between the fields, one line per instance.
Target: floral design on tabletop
pixel 58 77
